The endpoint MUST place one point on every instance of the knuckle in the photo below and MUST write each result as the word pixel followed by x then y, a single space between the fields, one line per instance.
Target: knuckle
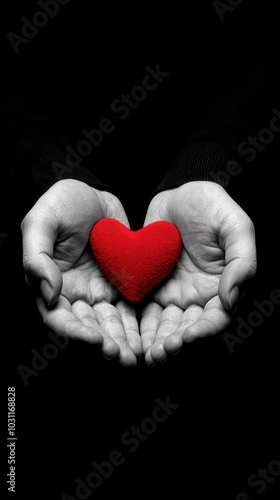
pixel 28 220
pixel 250 226
pixel 252 269
pixel 27 264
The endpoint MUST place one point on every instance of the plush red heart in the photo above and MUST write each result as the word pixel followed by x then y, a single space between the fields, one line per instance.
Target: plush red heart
pixel 135 261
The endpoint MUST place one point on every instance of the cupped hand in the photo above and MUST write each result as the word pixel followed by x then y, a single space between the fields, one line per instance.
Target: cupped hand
pixel 218 255
pixel 72 294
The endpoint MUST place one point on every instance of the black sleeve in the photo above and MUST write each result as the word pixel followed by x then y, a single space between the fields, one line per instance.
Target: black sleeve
pixel 244 102
pixel 33 147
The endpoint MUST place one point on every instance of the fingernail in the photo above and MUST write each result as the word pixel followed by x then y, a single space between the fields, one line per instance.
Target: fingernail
pixel 46 291
pixel 108 359
pixel 233 296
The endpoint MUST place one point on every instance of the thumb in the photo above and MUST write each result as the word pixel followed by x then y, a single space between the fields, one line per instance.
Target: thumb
pixel 115 209
pixel 240 262
pixel 38 239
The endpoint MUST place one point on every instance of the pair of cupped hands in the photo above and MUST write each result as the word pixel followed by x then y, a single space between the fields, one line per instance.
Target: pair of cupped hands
pixel 76 300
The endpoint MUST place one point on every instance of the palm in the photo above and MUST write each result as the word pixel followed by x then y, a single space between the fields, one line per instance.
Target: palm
pixel 193 302
pixel 83 280
pixel 196 277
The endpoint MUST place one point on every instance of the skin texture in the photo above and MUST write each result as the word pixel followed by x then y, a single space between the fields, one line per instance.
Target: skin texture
pixel 73 296
pixel 76 300
pixel 218 255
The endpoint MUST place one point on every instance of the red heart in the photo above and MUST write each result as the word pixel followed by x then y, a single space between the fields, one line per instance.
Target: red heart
pixel 135 261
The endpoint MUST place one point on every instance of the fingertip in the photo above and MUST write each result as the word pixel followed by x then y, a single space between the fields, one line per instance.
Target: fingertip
pixel 136 349
pixel 173 344
pixel 146 345
pixel 135 344
pixel 190 334
pixel 158 353
pixel 233 297
pixel 44 278
pixel 128 360
pixel 148 359
pixel 110 348
pixel 46 292
pixel 51 292
pixel 229 298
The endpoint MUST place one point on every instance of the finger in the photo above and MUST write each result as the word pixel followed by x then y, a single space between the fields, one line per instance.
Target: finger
pixel 116 210
pixel 131 327
pixel 61 319
pixel 240 259
pixel 38 237
pixel 88 317
pixel 174 342
pixel 213 320
pixel 169 321
pixel 149 323
pixel 157 209
pixel 111 325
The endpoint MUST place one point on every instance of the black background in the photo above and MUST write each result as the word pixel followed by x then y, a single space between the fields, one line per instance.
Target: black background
pixel 76 410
